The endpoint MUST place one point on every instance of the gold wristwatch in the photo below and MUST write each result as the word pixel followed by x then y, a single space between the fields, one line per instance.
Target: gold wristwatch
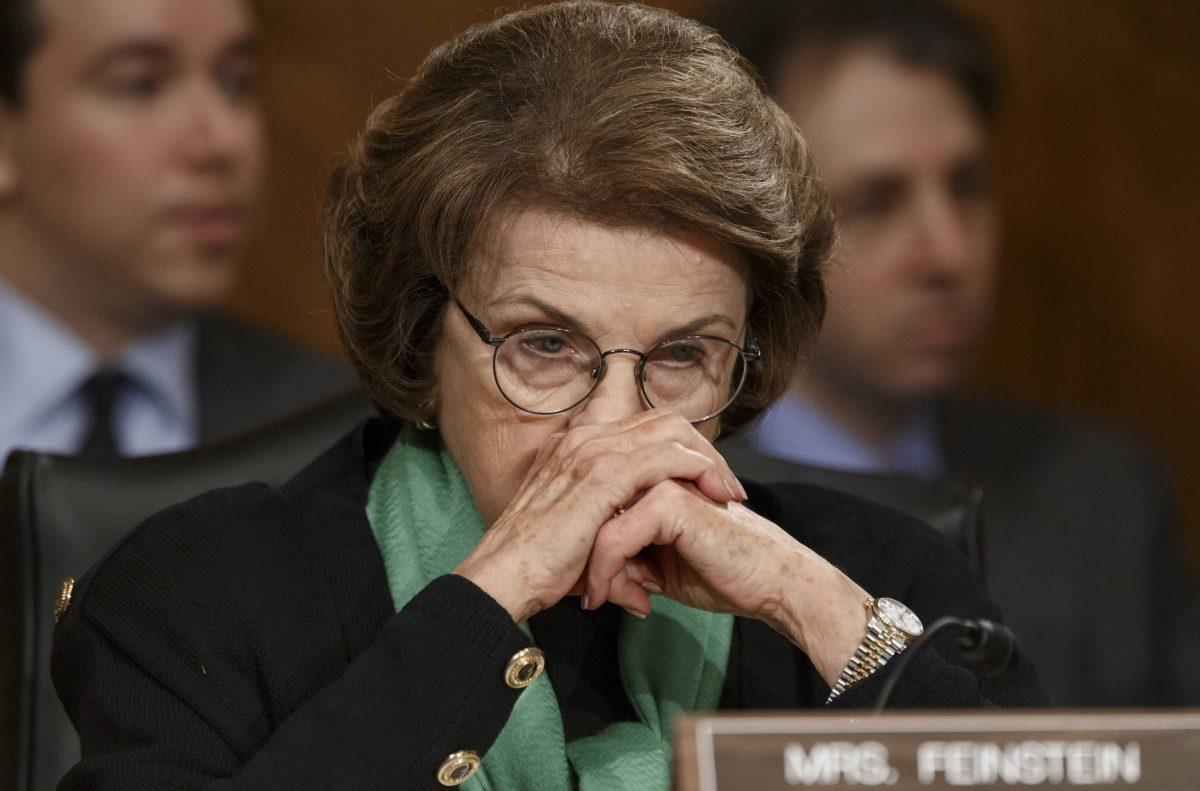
pixel 890 629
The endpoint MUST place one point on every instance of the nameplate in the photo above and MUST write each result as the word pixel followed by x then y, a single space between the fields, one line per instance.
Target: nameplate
pixel 1108 749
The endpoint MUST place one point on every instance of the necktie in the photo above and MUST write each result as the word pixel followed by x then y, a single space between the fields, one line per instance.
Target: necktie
pixel 100 393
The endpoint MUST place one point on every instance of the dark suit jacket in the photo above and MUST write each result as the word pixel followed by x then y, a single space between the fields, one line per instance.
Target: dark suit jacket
pixel 247 639
pixel 1081 547
pixel 249 377
pixel 1078 547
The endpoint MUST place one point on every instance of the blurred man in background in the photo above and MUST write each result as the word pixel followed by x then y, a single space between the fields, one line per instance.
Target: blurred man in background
pixel 897 100
pixel 131 158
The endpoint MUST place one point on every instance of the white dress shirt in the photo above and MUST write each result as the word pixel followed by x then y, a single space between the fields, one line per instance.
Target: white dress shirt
pixel 795 430
pixel 43 365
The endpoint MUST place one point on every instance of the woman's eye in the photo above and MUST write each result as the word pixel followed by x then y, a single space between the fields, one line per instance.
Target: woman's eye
pixel 546 344
pixel 550 345
pixel 684 354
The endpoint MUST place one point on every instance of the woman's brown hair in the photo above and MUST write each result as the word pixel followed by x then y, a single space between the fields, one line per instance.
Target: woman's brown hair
pixel 618 114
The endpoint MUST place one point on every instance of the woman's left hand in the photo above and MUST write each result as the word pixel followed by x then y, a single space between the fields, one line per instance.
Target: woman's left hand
pixel 726 558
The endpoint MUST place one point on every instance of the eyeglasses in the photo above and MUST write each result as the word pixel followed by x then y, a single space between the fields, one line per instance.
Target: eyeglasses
pixel 548 370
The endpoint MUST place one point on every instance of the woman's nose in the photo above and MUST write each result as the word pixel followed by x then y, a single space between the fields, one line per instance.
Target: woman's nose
pixel 615 397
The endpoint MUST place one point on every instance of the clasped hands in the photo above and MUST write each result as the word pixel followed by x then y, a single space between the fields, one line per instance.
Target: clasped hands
pixel 614 512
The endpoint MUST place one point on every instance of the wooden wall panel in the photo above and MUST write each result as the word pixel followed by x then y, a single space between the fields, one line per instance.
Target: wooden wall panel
pixel 1099 171
pixel 1099 174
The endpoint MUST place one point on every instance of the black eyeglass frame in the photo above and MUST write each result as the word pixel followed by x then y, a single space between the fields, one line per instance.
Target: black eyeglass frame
pixel 752 353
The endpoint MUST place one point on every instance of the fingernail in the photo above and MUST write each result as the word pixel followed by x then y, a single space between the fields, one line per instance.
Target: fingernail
pixel 742 489
pixel 583 602
pixel 729 488
pixel 650 587
pixel 635 613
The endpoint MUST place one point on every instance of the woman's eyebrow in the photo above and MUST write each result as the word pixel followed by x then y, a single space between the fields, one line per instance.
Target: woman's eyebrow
pixel 567 321
pixel 695 326
pixel 555 315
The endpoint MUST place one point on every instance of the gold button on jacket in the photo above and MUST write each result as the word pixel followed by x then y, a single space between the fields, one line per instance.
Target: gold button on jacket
pixel 458 767
pixel 64 598
pixel 525 667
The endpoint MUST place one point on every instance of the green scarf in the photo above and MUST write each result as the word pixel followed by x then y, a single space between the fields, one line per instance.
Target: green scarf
pixel 426 522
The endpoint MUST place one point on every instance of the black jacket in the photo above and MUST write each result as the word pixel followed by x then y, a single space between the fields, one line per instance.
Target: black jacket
pixel 246 639
pixel 1083 551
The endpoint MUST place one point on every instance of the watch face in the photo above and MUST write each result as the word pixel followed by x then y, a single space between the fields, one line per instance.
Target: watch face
pixel 896 614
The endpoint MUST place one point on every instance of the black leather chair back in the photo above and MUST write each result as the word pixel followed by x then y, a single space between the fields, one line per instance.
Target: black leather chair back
pixel 61 514
pixel 954 511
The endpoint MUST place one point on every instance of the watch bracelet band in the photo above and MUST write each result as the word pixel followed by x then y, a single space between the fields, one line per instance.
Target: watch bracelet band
pixel 882 642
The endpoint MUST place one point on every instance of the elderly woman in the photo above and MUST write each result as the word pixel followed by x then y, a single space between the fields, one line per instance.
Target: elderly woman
pixel 574 249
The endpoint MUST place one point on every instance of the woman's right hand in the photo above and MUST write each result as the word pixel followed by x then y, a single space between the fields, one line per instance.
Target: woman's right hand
pixel 535 552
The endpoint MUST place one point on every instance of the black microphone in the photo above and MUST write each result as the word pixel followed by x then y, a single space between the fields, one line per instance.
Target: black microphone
pixel 989 648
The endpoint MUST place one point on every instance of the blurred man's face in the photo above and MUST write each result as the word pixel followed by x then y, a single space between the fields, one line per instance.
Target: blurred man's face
pixel 134 161
pixel 905 160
